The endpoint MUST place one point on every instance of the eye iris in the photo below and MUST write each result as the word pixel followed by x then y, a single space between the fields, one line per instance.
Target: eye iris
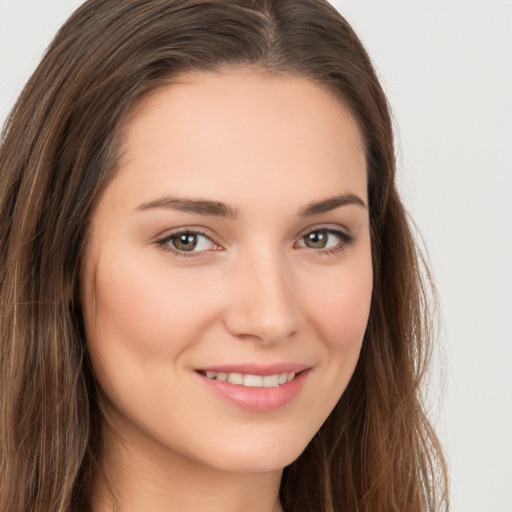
pixel 185 241
pixel 316 240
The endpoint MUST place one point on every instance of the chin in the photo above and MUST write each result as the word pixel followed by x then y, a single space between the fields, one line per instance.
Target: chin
pixel 258 463
pixel 259 455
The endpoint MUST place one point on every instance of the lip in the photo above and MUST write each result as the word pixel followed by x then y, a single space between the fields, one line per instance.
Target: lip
pixel 253 398
pixel 257 369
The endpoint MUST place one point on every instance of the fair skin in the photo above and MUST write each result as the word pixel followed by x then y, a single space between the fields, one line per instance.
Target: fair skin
pixel 275 282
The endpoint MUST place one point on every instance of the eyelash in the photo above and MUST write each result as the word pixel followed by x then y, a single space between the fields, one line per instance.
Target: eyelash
pixel 345 240
pixel 164 243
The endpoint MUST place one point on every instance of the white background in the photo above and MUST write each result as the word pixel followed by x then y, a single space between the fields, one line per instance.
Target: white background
pixel 447 68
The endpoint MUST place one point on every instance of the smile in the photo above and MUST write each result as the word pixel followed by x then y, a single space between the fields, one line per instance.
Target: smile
pixel 251 381
pixel 258 388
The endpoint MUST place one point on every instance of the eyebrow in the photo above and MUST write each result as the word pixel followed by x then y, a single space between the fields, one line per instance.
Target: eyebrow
pixel 331 203
pixel 208 207
pixel 200 206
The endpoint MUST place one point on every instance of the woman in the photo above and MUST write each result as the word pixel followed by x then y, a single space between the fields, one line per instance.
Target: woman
pixel 211 298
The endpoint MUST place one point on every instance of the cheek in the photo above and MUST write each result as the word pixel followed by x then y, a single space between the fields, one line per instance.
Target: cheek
pixel 338 312
pixel 341 306
pixel 139 304
pixel 137 318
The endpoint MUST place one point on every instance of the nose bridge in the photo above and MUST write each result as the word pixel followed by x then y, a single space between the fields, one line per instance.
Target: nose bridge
pixel 262 303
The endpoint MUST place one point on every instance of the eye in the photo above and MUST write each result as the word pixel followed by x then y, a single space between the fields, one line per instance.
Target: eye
pixel 328 239
pixel 183 242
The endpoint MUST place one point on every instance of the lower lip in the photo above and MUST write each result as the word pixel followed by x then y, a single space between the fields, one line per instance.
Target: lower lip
pixel 255 398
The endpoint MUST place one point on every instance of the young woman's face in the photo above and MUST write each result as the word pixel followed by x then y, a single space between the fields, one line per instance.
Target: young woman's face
pixel 228 276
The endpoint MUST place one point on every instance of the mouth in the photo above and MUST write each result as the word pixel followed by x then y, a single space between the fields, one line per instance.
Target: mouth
pixel 250 380
pixel 254 387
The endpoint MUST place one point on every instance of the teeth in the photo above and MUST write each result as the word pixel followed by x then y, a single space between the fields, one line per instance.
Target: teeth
pixel 271 381
pixel 283 378
pixel 235 378
pixel 253 381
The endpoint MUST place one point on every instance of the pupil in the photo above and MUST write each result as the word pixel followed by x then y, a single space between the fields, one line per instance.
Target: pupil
pixel 185 242
pixel 317 240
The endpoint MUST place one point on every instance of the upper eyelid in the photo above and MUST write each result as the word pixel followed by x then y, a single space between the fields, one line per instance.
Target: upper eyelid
pixel 165 235
pixel 210 234
pixel 333 228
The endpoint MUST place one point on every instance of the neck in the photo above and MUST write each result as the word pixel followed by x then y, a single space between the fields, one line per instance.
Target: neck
pixel 144 475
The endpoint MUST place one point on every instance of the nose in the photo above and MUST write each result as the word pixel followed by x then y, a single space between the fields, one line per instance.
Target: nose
pixel 262 303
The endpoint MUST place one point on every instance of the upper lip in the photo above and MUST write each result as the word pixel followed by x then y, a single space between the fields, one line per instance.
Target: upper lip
pixel 256 369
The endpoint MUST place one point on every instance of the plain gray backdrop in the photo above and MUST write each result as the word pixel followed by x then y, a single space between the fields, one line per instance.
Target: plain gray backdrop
pixel 447 68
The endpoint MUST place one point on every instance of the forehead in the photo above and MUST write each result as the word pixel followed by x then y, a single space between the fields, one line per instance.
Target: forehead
pixel 210 133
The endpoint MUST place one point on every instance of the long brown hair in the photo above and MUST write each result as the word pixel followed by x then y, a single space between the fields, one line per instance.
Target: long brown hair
pixel 377 450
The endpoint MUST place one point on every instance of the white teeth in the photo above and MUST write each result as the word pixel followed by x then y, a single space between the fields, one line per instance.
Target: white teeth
pixel 271 381
pixel 235 378
pixel 254 381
